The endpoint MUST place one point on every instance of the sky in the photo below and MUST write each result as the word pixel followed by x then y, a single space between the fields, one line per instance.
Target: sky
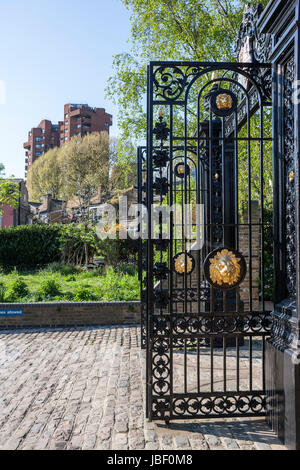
pixel 54 52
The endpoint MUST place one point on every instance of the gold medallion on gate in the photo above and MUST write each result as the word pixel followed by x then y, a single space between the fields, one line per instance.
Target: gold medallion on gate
pixel 184 263
pixel 224 268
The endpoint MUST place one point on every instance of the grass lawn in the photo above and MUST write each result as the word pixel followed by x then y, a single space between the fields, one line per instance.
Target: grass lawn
pixel 65 284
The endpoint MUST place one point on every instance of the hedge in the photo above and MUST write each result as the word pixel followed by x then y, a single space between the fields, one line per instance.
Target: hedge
pixel 30 245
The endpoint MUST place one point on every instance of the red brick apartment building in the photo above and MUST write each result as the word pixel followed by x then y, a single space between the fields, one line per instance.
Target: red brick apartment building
pixel 79 119
pixel 40 140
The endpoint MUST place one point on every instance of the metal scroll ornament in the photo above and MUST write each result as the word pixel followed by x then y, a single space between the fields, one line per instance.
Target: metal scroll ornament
pixel 225 269
pixel 184 263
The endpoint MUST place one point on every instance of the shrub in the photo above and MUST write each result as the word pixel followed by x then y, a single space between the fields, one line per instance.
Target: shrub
pixel 2 292
pixel 82 294
pixel 49 288
pixel 54 267
pixel 93 273
pixel 67 270
pixel 60 268
pixel 115 287
pixel 79 244
pixel 18 289
pixel 127 269
pixel 116 251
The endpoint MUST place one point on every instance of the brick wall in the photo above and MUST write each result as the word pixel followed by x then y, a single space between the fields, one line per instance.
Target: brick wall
pixel 72 314
pixel 7 217
pixel 244 248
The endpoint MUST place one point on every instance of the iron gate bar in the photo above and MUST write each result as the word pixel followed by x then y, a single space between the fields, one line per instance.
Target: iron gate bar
pixel 141 172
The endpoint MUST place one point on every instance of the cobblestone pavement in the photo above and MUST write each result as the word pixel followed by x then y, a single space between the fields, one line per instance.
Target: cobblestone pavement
pixel 82 389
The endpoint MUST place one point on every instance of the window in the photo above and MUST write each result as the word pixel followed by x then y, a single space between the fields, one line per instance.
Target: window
pixel 66 138
pixel 78 126
pixel 38 154
pixel 38 146
pixel 66 116
pixel 43 131
pixel 66 131
pixel 66 123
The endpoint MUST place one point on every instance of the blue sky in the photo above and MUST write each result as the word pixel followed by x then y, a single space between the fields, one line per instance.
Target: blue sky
pixel 54 52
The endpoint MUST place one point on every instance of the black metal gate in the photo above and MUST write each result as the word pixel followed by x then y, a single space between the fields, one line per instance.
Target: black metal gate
pixel 206 266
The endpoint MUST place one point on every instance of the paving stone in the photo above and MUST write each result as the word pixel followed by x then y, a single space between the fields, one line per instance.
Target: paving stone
pixel 262 446
pixel 150 435
pixel 182 442
pixel 121 426
pixel 36 428
pixel 89 442
pixel 166 443
pixel 152 446
pixel 76 443
pixel 230 444
pixel 12 444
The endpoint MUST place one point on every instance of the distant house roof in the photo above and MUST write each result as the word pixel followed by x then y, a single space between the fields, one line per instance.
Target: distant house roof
pixel 51 210
pixel 48 205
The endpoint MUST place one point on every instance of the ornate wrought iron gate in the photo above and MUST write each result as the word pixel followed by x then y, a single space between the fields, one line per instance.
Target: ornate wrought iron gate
pixel 204 315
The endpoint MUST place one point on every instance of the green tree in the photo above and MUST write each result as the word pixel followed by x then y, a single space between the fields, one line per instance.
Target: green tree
pixel 45 176
pixel 85 167
pixel 77 169
pixel 9 191
pixel 123 168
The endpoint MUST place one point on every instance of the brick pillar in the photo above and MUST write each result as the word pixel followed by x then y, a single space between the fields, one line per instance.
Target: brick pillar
pixel 244 248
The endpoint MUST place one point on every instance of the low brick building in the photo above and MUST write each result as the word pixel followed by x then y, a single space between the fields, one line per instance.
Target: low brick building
pixel 21 215
pixel 49 210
